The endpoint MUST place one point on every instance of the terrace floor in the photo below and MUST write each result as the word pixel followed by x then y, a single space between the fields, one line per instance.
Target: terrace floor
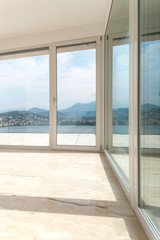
pixel 63 196
pixel 42 139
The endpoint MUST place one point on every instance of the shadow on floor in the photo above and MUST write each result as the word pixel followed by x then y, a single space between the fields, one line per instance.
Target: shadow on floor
pixel 62 206
pixel 118 209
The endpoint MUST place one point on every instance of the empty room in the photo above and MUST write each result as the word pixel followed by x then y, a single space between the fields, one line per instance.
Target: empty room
pixel 80 120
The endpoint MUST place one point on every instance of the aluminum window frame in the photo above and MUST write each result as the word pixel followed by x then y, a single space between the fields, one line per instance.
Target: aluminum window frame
pixel 51 51
pixel 142 215
pixel 110 43
pixel 111 38
pixel 132 193
pixel 64 44
pixel 22 53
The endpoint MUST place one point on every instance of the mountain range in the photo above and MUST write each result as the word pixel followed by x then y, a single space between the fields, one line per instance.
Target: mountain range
pixel 82 110
pixel 36 110
pixel 148 107
pixel 78 114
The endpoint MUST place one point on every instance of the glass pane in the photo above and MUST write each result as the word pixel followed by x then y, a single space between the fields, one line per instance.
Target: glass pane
pixel 24 101
pixel 117 86
pixel 76 94
pixel 149 110
pixel 120 106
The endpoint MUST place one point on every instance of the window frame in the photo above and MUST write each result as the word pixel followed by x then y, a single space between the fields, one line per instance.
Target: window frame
pixel 132 193
pixel 134 9
pixel 22 53
pixel 54 47
pixel 51 51
pixel 109 53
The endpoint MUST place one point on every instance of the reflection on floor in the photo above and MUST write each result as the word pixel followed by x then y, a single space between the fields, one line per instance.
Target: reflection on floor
pixel 150 187
pixel 122 162
pixel 63 196
pixel 150 181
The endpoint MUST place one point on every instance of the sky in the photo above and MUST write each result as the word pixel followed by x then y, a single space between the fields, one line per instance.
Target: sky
pixel 120 74
pixel 149 74
pixel 76 77
pixel 24 82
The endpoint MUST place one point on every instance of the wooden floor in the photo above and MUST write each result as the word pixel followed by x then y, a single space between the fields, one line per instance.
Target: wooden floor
pixel 63 196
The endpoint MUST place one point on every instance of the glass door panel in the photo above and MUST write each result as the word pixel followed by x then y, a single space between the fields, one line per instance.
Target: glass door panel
pixel 149 111
pixel 76 95
pixel 24 99
pixel 120 106
pixel 117 88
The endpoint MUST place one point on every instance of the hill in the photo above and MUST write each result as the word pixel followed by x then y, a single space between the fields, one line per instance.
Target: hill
pixel 80 110
pixel 148 107
pixel 36 110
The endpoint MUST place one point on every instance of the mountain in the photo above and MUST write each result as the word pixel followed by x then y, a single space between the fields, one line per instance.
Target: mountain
pixel 122 110
pixel 37 110
pixel 120 116
pixel 80 110
pixel 6 110
pixel 148 107
pixel 13 113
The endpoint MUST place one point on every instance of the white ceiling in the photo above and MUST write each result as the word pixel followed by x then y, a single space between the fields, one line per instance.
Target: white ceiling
pixel 23 17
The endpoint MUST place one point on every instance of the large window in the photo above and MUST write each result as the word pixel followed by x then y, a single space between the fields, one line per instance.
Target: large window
pixel 133 87
pixel 117 88
pixel 149 110
pixel 24 99
pixel 48 96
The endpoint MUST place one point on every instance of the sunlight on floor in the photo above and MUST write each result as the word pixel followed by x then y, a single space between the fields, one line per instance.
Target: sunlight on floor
pixel 62 196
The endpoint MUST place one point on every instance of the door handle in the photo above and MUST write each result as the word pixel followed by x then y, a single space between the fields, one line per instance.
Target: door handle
pixel 54 99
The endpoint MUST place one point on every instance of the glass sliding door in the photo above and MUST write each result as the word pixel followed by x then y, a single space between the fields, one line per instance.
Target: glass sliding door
pixel 24 99
pixel 120 105
pixel 76 95
pixel 117 88
pixel 149 110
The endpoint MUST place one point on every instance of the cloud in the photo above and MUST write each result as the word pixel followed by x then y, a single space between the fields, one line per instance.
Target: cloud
pixel 120 73
pixel 64 58
pixel 150 72
pixel 23 81
pixel 76 82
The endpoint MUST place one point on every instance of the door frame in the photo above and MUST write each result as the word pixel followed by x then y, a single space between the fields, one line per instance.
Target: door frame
pixel 53 94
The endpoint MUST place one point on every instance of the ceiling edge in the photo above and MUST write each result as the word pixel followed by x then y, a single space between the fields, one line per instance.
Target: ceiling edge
pixel 45 38
pixel 107 12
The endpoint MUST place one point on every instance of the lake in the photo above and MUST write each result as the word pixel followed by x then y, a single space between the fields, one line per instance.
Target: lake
pixel 117 129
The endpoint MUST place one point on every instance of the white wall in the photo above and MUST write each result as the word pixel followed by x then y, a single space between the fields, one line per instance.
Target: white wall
pixel 45 38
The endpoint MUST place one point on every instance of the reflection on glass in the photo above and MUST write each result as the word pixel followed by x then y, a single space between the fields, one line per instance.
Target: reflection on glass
pixel 120 106
pixel 24 101
pixel 120 95
pixel 117 86
pixel 149 111
pixel 76 94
